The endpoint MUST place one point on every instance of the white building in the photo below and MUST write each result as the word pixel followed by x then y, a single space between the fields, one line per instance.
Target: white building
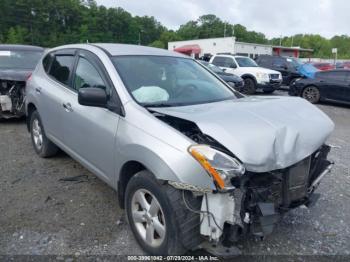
pixel 252 50
pixel 201 47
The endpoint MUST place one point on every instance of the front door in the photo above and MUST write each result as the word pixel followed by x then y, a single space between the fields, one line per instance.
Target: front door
pixel 90 132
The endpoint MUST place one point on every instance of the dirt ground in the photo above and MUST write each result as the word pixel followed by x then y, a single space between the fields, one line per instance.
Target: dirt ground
pixel 41 214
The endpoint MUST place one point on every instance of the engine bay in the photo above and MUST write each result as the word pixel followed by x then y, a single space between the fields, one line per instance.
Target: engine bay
pixel 12 96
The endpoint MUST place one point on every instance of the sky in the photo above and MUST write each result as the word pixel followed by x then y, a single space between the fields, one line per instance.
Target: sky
pixel 271 17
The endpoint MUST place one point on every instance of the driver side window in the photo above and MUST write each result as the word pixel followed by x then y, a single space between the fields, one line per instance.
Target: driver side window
pixel 86 75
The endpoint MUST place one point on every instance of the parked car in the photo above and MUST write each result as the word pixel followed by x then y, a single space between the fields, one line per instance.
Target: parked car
pixel 177 143
pixel 343 65
pixel 16 65
pixel 323 66
pixel 287 66
pixel 333 85
pixel 254 77
pixel 233 80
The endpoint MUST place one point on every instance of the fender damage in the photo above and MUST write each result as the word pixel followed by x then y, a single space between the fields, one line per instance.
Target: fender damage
pixel 285 159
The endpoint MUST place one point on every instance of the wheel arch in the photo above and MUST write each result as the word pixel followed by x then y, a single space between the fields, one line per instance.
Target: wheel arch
pixel 244 76
pixel 127 171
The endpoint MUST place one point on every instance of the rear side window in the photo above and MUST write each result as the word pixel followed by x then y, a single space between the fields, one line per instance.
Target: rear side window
pixel 47 62
pixel 61 68
pixel 223 61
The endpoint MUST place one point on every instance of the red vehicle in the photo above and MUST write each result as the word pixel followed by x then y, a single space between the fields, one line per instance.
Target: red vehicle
pixel 324 66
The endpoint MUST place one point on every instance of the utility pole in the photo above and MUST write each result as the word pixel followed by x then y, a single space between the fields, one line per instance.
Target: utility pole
pixel 140 31
pixel 224 29
pixel 280 40
pixel 292 41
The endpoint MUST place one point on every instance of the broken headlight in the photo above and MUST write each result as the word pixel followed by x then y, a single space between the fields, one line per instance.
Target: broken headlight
pixel 219 165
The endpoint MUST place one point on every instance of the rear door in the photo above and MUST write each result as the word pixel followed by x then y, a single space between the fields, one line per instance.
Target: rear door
pixel 336 84
pixel 90 132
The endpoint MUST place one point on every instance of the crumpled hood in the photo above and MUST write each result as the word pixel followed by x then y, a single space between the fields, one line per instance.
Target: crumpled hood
pixel 265 133
pixel 14 74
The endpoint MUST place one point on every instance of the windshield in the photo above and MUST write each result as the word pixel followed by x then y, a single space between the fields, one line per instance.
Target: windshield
pixel 294 61
pixel 169 81
pixel 19 59
pixel 246 62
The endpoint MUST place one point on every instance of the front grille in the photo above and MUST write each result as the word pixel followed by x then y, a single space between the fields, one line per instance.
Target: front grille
pixel 274 76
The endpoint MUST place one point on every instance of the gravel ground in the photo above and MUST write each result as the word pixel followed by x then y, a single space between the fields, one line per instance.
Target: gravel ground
pixel 42 215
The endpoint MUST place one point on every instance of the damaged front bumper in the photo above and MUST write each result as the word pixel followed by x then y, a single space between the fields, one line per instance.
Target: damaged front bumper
pixel 260 199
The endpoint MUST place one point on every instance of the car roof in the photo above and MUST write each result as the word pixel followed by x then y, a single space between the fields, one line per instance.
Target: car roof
pixel 122 49
pixel 21 47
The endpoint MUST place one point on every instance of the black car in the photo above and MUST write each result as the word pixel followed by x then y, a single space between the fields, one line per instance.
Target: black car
pixel 233 80
pixel 16 64
pixel 287 66
pixel 332 85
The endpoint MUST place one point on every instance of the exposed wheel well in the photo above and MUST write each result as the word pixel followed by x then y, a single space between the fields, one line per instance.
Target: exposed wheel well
pixel 128 170
pixel 30 109
pixel 249 76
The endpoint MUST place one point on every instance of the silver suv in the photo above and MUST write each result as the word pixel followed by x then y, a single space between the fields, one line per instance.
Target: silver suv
pixel 193 160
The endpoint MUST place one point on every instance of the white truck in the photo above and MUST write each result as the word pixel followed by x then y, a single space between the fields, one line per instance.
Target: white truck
pixel 254 77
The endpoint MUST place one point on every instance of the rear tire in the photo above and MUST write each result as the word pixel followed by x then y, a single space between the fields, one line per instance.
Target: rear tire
pixel 42 145
pixel 311 94
pixel 249 87
pixel 174 229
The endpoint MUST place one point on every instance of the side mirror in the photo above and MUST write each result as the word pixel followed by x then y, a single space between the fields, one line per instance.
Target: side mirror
pixel 233 66
pixel 92 96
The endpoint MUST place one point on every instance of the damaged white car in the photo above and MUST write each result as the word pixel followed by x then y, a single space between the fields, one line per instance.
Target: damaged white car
pixel 16 64
pixel 196 164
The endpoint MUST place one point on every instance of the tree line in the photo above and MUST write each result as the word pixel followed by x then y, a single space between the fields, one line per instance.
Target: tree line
pixel 50 23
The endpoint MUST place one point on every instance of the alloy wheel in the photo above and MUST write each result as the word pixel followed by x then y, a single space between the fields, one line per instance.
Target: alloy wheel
pixel 311 94
pixel 148 217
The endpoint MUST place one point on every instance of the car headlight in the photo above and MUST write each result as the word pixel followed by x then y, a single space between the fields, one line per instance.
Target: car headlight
pixel 262 75
pixel 219 165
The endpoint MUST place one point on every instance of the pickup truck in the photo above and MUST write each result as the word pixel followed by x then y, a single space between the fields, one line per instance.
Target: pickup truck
pixel 255 77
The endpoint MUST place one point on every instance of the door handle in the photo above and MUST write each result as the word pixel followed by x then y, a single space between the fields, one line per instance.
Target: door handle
pixel 38 90
pixel 67 107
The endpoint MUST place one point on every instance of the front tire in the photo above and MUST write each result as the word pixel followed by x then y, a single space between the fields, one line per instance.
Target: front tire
pixel 157 217
pixel 311 94
pixel 249 86
pixel 42 145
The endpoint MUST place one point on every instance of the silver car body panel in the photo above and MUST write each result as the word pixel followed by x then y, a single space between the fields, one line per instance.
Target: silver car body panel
pixel 114 140
pixel 265 133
